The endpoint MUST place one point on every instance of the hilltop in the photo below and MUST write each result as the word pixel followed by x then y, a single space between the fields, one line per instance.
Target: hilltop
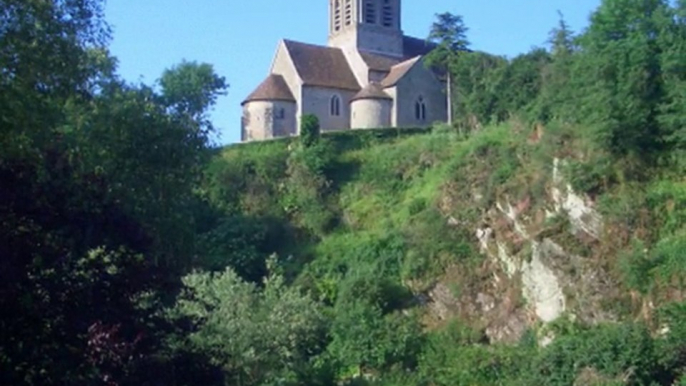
pixel 537 239
pixel 497 245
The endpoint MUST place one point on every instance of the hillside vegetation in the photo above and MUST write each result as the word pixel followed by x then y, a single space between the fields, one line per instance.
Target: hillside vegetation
pixel 539 240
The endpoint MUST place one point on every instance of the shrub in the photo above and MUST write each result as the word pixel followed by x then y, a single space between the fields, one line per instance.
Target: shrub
pixel 309 130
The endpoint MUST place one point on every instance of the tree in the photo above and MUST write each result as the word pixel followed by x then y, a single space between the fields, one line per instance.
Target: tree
pixel 97 180
pixel 558 88
pixel 151 158
pixel 476 76
pixel 309 130
pixel 305 190
pixel 49 53
pixel 562 39
pixel 191 88
pixel 622 76
pixel 255 336
pixel 520 83
pixel 673 61
pixel 449 33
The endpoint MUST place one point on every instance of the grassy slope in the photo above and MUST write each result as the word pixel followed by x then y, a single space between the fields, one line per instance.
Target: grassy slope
pixel 407 208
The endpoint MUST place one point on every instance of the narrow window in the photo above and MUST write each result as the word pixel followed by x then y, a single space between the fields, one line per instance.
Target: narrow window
pixel 420 109
pixel 335 108
pixel 279 113
pixel 348 12
pixel 387 14
pixel 370 12
pixel 337 15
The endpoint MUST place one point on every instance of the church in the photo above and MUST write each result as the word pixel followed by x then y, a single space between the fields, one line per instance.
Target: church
pixel 369 75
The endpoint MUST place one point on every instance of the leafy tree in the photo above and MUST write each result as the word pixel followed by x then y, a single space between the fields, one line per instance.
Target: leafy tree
pixel 562 39
pixel 673 47
pixel 255 336
pixel 152 160
pixel 476 76
pixel 50 52
pixel 622 74
pixel 309 130
pixel 365 340
pixel 97 181
pixel 559 86
pixel 190 88
pixel 449 33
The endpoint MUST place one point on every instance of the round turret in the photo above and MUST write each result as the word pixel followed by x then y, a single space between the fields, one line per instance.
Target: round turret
pixel 269 111
pixel 371 108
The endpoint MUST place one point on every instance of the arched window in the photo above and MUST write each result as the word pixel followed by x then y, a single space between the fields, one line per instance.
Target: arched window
pixel 370 12
pixel 420 109
pixel 387 14
pixel 337 15
pixel 335 108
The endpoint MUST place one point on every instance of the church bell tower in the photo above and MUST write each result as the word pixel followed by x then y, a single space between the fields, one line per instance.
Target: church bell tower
pixel 367 25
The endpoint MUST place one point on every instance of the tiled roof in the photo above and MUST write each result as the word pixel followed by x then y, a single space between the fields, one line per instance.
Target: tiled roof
pixel 321 66
pixel 272 88
pixel 377 62
pixel 372 91
pixel 398 71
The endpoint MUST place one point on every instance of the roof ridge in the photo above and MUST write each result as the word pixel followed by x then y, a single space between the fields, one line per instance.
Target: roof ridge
pixel 373 90
pixel 322 66
pixel 399 71
pixel 272 88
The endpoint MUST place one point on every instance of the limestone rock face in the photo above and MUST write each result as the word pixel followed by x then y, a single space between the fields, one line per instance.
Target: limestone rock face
pixel 535 273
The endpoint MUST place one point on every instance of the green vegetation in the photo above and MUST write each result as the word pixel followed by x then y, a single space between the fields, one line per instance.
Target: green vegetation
pixel 135 253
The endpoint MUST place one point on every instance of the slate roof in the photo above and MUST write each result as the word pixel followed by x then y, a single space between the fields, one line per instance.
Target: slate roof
pixel 415 47
pixel 398 71
pixel 321 66
pixel 377 62
pixel 372 91
pixel 412 47
pixel 272 88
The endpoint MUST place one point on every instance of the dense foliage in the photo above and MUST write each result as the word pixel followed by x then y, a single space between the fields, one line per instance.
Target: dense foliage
pixel 132 252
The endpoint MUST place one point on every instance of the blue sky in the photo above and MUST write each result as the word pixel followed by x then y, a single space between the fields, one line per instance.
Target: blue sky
pixel 239 37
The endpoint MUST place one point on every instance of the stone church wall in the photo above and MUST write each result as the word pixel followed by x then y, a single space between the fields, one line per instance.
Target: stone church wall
pixel 282 65
pixel 419 82
pixel 371 113
pixel 317 101
pixel 264 120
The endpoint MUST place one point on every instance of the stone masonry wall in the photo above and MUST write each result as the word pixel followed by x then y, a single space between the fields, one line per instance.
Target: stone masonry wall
pixel 264 120
pixel 419 81
pixel 317 101
pixel 371 113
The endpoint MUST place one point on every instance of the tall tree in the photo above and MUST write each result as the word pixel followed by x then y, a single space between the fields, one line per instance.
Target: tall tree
pixel 673 108
pixel 558 84
pixel 449 33
pixel 256 336
pixel 97 181
pixel 623 76
pixel 191 89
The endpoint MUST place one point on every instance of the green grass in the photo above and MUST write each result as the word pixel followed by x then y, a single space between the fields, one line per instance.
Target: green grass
pixel 392 194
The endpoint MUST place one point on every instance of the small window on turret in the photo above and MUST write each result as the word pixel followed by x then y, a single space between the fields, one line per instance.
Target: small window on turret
pixel 279 113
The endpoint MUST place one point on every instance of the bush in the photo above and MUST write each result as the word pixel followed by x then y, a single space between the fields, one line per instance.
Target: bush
pixel 309 130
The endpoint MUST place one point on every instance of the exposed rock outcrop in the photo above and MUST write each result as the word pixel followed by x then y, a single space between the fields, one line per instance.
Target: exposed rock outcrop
pixel 533 278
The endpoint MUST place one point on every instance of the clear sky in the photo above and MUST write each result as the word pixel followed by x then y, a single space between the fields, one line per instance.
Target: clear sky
pixel 239 37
